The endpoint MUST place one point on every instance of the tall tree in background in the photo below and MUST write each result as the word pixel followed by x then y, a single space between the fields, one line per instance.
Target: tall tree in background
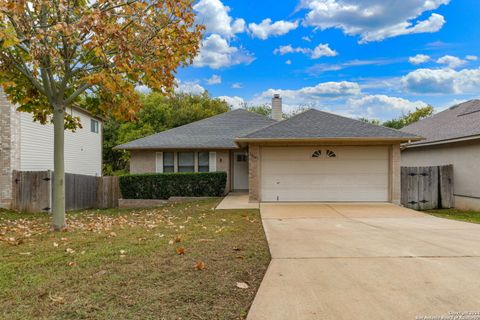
pixel 409 118
pixel 54 53
pixel 159 113
pixel 404 120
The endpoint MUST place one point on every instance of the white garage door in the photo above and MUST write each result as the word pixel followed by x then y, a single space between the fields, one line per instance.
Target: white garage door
pixel 324 173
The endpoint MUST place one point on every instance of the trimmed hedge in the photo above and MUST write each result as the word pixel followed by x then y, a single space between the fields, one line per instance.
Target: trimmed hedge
pixel 166 185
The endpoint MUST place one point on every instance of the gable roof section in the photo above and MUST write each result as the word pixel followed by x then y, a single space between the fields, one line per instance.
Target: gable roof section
pixel 458 122
pixel 315 124
pixel 217 132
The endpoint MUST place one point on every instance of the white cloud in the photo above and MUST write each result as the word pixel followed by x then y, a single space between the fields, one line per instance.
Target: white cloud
pixel 471 58
pixel 216 52
pixel 381 106
pixel 214 79
pixel 288 61
pixel 215 16
pixel 374 20
pixel 324 67
pixel 442 81
pixel 451 61
pixel 191 87
pixel 235 102
pixel 266 28
pixel 310 96
pixel 306 38
pixel 419 59
pixel 237 85
pixel 322 50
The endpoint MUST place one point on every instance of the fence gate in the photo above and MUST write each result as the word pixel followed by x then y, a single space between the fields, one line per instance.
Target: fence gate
pixel 31 191
pixel 426 188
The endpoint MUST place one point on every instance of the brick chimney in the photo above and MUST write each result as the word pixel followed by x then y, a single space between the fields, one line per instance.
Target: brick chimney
pixel 277 107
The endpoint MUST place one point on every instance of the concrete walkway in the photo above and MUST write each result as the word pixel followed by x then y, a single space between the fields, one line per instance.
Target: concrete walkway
pixel 237 200
pixel 366 261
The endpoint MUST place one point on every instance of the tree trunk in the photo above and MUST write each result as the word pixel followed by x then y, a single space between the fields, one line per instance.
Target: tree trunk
pixel 58 208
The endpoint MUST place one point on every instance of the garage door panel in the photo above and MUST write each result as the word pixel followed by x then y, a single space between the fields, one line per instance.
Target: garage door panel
pixel 331 195
pixel 355 174
pixel 304 153
pixel 325 167
pixel 308 180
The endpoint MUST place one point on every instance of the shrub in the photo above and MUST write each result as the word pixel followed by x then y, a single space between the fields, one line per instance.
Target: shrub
pixel 166 185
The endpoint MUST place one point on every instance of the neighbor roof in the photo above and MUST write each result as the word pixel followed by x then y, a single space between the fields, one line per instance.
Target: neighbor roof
pixel 458 122
pixel 315 124
pixel 217 132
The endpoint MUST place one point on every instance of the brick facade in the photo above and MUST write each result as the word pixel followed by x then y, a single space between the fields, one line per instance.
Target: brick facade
pixel 254 172
pixel 9 148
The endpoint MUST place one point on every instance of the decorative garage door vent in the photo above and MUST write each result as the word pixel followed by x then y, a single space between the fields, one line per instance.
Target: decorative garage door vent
pixel 328 153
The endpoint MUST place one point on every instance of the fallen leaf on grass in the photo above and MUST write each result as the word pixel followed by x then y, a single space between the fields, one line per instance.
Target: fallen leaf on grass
pixel 70 250
pixel 55 244
pixel 200 265
pixel 180 250
pixel 25 253
pixel 178 239
pixel 113 234
pixel 123 251
pixel 57 299
pixel 72 264
pixel 242 285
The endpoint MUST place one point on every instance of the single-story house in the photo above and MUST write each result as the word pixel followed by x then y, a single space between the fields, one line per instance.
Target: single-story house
pixel 451 137
pixel 312 156
pixel 26 145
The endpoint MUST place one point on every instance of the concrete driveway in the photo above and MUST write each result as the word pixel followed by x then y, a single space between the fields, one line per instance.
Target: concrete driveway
pixel 366 261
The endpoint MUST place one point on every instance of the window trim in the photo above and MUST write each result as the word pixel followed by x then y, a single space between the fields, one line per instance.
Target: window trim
pixel 94 126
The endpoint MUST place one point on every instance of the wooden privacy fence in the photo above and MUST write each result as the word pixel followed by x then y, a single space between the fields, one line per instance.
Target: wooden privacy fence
pixel 426 188
pixel 32 191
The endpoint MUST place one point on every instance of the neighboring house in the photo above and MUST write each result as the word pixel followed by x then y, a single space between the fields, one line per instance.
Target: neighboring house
pixel 452 137
pixel 26 145
pixel 313 156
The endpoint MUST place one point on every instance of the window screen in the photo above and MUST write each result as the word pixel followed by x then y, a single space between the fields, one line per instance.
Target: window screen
pixel 203 162
pixel 186 162
pixel 93 126
pixel 168 164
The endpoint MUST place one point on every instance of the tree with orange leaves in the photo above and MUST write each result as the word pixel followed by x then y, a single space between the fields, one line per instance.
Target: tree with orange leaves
pixel 56 53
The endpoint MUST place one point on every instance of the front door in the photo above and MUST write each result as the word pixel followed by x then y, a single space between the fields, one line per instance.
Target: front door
pixel 240 170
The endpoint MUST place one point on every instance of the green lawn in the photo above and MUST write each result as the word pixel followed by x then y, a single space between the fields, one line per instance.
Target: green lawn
pixel 128 264
pixel 468 216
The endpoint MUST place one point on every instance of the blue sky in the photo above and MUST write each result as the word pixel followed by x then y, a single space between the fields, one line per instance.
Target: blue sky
pixel 369 58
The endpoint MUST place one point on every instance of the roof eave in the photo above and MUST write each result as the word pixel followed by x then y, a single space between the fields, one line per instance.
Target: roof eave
pixel 438 142
pixel 173 148
pixel 333 139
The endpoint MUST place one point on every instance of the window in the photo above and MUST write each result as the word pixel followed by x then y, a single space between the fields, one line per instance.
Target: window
pixel 317 154
pixel 203 162
pixel 93 126
pixel 331 154
pixel 186 162
pixel 241 157
pixel 168 164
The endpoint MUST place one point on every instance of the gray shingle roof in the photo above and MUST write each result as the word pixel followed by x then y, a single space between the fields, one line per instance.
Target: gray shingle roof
pixel 319 124
pixel 459 121
pixel 217 132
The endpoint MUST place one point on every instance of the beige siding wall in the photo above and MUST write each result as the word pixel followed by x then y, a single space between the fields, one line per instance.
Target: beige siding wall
pixel 144 162
pixel 465 158
pixel 83 148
